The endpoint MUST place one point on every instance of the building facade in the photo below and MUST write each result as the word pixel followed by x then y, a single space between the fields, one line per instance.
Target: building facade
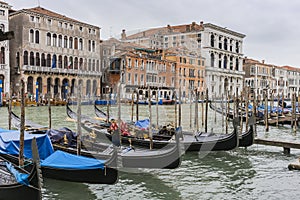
pixel 54 54
pixel 4 50
pixel 221 48
pixel 277 80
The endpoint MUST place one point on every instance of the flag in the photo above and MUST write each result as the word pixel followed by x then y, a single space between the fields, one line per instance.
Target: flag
pixel 70 65
pixel 54 61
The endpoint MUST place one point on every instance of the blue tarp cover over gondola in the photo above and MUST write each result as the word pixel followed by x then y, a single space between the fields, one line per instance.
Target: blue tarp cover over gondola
pixel 144 124
pixel 63 160
pixel 10 142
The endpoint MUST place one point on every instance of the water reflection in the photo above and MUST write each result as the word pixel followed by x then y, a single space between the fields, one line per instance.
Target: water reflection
pixel 63 190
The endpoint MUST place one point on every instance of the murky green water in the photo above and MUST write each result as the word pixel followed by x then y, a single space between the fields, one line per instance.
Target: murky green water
pixel 258 172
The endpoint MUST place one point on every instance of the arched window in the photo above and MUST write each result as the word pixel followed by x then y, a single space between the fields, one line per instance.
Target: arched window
pixel 212 59
pixel 237 64
pixel 37 59
pixel 31 36
pixel 25 58
pixel 60 41
pixel 76 43
pixel 220 61
pixel 37 37
pixel 31 58
pixel 48 60
pixel 60 62
pixel 43 60
pixel 212 41
pixel 54 40
pixel 225 62
pixel 80 44
pixel 225 44
pixel 81 63
pixel 237 47
pixel 93 46
pixel 98 66
pixel 90 65
pixel 65 42
pixel 70 64
pixel 2 55
pixel 48 39
pixel 76 63
pixel 94 65
pixel 71 43
pixel 88 88
pixel 54 61
pixel 65 62
pixel 231 63
pixel 90 45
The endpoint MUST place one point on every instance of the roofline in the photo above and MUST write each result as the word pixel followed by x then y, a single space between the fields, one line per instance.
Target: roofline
pixel 68 19
pixel 223 29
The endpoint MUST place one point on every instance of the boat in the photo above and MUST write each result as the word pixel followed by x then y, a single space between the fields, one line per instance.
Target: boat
pixel 272 120
pixel 16 183
pixel 132 157
pixel 192 142
pixel 105 102
pixel 245 139
pixel 58 164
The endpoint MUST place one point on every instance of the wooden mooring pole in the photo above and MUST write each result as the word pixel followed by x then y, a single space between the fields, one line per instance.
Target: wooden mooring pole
pixel 22 125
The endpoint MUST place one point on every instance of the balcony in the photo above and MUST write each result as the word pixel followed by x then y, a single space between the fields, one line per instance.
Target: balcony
pixel 75 72
pixel 151 71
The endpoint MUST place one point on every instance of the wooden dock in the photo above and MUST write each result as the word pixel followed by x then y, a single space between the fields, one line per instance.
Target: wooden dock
pixel 287 145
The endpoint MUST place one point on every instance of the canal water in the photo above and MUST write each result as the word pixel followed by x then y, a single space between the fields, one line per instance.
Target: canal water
pixel 258 172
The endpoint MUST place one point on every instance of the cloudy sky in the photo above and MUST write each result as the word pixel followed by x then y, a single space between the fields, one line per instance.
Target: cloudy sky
pixel 271 26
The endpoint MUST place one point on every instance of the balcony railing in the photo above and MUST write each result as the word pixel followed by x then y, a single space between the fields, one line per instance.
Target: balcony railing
pixel 27 68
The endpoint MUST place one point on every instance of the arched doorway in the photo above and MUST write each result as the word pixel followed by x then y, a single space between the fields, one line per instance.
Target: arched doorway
pixel 88 88
pixel 56 86
pixel 30 86
pixel 94 88
pixel 65 88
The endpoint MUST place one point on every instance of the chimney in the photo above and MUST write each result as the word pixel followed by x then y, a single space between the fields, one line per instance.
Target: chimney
pixel 193 25
pixel 263 61
pixel 123 35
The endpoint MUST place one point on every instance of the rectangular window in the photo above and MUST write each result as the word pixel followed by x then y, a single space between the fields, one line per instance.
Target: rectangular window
pixel 32 18
pixel 60 24
pixel 2 12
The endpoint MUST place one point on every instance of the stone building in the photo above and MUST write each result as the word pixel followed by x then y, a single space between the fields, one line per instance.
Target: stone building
pixel 221 48
pixel 190 70
pixel 54 54
pixel 277 80
pixel 4 49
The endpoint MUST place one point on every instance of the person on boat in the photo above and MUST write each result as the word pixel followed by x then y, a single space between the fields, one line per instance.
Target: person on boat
pixel 113 125
pixel 124 129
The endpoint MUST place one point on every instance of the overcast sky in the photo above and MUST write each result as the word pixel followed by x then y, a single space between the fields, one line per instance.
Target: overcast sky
pixel 271 26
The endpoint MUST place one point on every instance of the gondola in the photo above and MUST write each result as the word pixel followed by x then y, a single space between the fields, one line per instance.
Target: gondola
pixel 16 183
pixel 245 139
pixel 58 164
pixel 272 121
pixel 167 158
pixel 191 142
